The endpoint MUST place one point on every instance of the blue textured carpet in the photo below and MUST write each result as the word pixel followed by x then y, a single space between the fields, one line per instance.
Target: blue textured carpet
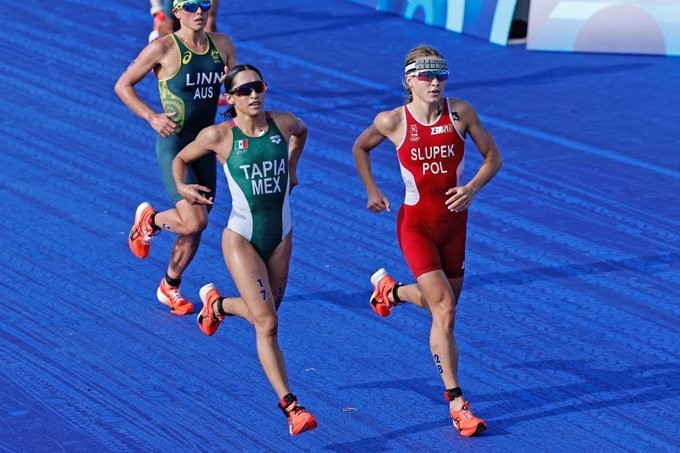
pixel 569 321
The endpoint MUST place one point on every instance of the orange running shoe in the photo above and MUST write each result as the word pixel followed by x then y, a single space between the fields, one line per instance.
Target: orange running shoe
pixel 299 420
pixel 208 321
pixel 383 284
pixel 142 231
pixel 170 296
pixel 465 422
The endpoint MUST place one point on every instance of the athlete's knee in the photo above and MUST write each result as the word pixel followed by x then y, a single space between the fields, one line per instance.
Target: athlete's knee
pixel 194 225
pixel 267 325
pixel 444 314
pixel 198 226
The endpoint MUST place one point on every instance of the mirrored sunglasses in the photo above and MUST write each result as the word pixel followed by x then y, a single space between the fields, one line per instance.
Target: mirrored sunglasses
pixel 192 7
pixel 244 90
pixel 429 76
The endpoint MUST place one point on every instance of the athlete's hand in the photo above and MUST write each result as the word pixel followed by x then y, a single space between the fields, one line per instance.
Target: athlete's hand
pixel 377 202
pixel 224 76
pixel 460 198
pixel 192 193
pixel 162 123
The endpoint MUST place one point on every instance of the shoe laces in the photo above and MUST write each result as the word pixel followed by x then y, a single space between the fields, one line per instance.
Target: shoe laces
pixel 173 293
pixel 296 411
pixel 147 231
pixel 464 412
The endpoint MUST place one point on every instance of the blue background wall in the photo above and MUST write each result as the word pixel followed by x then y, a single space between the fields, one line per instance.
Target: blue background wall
pixel 486 19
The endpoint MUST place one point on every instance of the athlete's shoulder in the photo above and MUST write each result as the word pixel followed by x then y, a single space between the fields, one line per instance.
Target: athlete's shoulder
pixel 218 138
pixel 216 132
pixel 218 36
pixel 389 120
pixel 157 47
pixel 164 43
pixel 460 106
pixel 276 115
pixel 225 46
pixel 464 114
pixel 287 122
pixel 284 119
pixel 221 40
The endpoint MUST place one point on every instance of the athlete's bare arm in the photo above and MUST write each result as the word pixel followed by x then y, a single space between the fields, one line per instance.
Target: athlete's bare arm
pixel 209 139
pixel 157 57
pixel 461 197
pixel 385 125
pixel 226 49
pixel 211 23
pixel 294 131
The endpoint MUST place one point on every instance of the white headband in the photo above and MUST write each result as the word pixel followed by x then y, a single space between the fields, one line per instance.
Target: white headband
pixel 436 64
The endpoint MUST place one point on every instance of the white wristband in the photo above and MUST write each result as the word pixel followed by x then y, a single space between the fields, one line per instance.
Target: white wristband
pixel 155 9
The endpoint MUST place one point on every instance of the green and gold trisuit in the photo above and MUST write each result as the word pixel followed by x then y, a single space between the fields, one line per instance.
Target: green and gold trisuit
pixel 257 171
pixel 192 92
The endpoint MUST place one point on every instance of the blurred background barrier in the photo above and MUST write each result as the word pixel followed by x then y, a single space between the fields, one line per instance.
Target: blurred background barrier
pixel 614 26
pixel 620 26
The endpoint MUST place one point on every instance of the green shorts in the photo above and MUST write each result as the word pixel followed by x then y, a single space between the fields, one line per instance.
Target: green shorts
pixel 202 171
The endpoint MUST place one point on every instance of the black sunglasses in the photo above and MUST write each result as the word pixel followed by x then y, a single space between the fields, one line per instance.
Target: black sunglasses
pixel 244 90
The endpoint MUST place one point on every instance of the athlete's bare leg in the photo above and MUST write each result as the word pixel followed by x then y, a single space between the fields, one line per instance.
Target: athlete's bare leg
pixel 188 221
pixel 259 301
pixel 439 295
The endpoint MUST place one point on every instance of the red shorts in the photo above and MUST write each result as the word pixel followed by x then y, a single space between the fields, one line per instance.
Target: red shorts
pixel 432 245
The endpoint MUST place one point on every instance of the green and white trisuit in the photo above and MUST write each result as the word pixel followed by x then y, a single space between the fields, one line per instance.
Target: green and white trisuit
pixel 257 172
pixel 192 92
